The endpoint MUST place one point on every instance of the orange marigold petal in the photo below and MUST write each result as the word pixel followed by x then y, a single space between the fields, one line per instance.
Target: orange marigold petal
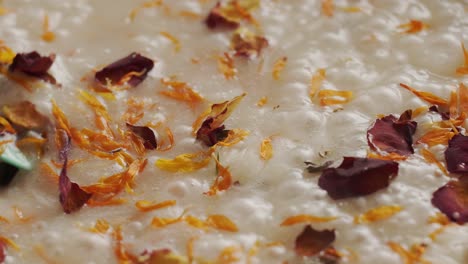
pixel 414 26
pixel 332 97
pixel 328 7
pixel 378 214
pixel 223 180
pixel 146 206
pixel 266 149
pixel 181 91
pixel 221 222
pixel 305 218
pixel 187 162
pixel 173 39
pixel 278 67
pixel 316 82
pixel 431 158
pixel 426 96
pixel 226 66
pixel 436 136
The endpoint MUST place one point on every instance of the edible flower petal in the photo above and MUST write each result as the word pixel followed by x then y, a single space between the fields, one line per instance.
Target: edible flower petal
pixel 357 177
pixel 25 115
pixel 392 135
pixel 452 200
pixel 456 155
pixel 34 65
pixel 310 242
pixel 304 218
pixel 377 214
pixel 247 44
pixel 146 134
pixel 132 70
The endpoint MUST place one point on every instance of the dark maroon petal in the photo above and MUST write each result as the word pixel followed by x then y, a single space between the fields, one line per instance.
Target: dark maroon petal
pixel 216 19
pixel 210 136
pixel 391 135
pixel 444 115
pixel 72 197
pixel 456 155
pixel 311 242
pixel 33 64
pixel 146 134
pixel 2 251
pixel 452 200
pixel 7 173
pixel 116 72
pixel 357 177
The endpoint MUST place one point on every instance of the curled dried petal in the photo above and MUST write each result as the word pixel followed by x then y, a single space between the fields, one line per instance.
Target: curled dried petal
pixel 72 197
pixel 310 242
pixel 247 44
pixel 146 134
pixel 34 65
pixel 392 136
pixel 426 96
pixel 357 177
pixel 132 70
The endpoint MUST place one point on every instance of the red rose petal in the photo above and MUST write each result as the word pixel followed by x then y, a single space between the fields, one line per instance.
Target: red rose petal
pixel 134 66
pixel 72 197
pixel 145 133
pixel 357 177
pixel 216 19
pixel 311 242
pixel 452 200
pixel 391 135
pixel 211 136
pixel 456 155
pixel 33 64
pixel 2 251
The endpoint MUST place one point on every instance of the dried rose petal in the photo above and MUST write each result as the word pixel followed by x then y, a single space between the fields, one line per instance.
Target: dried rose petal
pixel 211 136
pixel 443 115
pixel 72 197
pixel 393 135
pixel 311 242
pixel 33 64
pixel 2 251
pixel 216 19
pixel 146 134
pixel 7 173
pixel 357 177
pixel 452 200
pixel 456 155
pixel 247 44
pixel 132 69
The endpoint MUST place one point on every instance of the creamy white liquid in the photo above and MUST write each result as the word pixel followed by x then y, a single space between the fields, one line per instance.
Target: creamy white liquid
pixel 363 52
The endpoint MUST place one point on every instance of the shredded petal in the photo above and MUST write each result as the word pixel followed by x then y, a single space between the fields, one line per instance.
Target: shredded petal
pixel 316 82
pixel 332 97
pixel 101 227
pixel 223 180
pixel 47 35
pixel 431 158
pixel 462 69
pixel 185 162
pixel 436 136
pixel 304 218
pixel 414 26
pixel 412 256
pixel 149 4
pixel 173 39
pixel 147 206
pixel 221 222
pixel 278 67
pixel 328 8
pixel 181 91
pixel 266 149
pixel 377 214
pixel 226 66
pixel 426 96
